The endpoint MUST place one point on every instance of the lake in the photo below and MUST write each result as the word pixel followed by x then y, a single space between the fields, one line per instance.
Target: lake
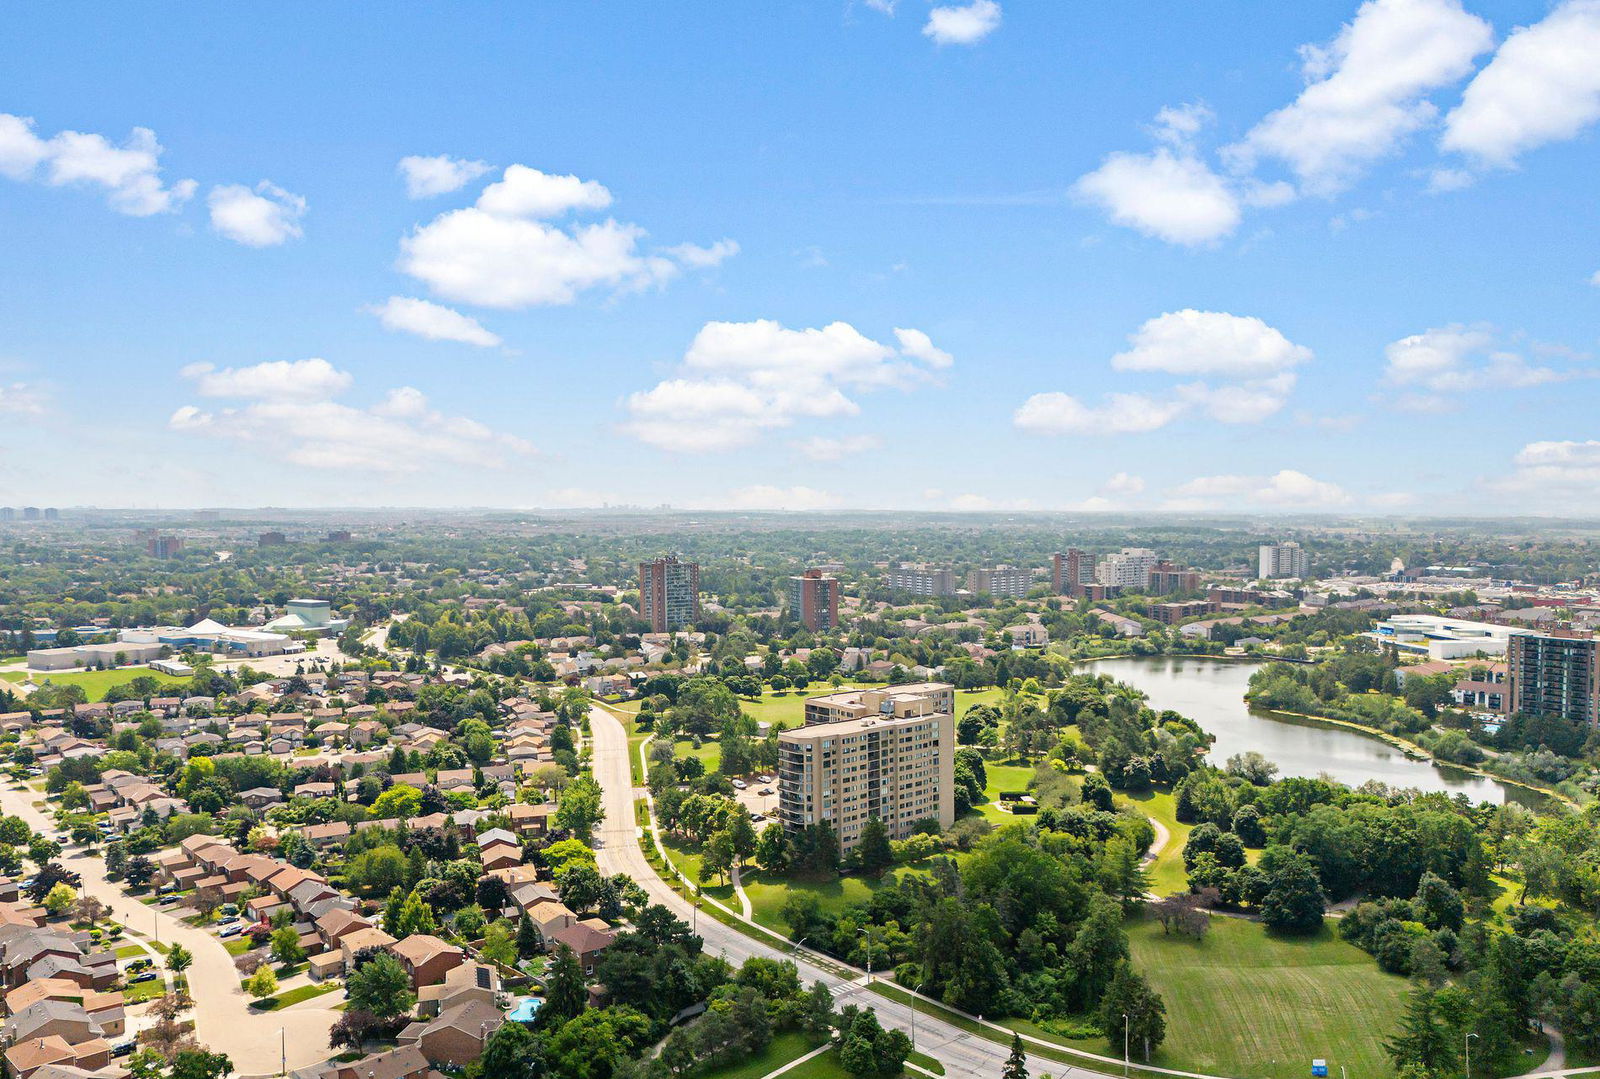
pixel 1211 692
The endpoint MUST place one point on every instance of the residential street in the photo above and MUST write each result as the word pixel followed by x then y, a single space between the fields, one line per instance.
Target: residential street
pixel 223 1018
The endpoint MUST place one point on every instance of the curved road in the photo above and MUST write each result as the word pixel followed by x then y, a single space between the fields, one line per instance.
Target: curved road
pixel 964 1055
pixel 224 1020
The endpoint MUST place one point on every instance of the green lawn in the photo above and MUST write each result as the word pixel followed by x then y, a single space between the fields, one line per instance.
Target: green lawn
pixel 294 996
pixel 767 897
pixel 130 951
pixel 1243 1002
pixel 778 1052
pixel 137 994
pixel 1003 777
pixel 709 751
pixel 1167 875
pixel 825 1066
pixel 95 683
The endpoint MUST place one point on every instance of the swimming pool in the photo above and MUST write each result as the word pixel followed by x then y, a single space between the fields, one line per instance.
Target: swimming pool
pixel 525 1010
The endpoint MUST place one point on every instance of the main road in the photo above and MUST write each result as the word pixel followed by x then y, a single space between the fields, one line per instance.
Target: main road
pixel 964 1055
pixel 257 1042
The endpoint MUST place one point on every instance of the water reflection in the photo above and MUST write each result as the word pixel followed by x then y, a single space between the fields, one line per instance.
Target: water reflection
pixel 1212 692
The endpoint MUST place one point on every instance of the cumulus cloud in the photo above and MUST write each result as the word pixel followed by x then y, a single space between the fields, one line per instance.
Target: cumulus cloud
pixel 824 448
pixel 1367 90
pixel 1542 86
pixel 129 174
pixel 1253 361
pixel 1555 469
pixel 1452 360
pixel 284 379
pixel 21 399
pixel 432 321
pixel 265 216
pixel 288 411
pixel 1172 196
pixel 507 251
pixel 1123 483
pixel 739 379
pixel 1286 488
pixel 963 24
pixel 429 176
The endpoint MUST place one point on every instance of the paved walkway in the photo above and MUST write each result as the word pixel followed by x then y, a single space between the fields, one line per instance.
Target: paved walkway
pixel 256 1042
pixel 744 898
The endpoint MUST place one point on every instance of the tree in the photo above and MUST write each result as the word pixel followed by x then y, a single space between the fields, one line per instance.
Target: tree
pixel 286 947
pixel 530 942
pixel 89 910
pixel 50 874
pixel 874 851
pixel 512 1053
pixel 1016 1061
pixel 179 959
pixel 60 899
pixel 138 872
pixel 1132 1010
pixel 1294 901
pixel 380 986
pixel 263 983
pixel 1422 1040
pixel 400 802
pixel 565 995
pixel 580 809
pixel 201 1064
pixel 866 1049
pixel 772 851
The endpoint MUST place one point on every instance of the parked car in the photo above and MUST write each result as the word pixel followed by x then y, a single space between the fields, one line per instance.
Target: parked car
pixel 122 1049
pixel 229 920
pixel 740 784
pixel 231 931
pixel 167 900
pixel 765 790
pixel 140 964
pixel 147 976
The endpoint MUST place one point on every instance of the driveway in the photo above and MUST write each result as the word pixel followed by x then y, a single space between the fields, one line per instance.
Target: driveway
pixel 223 1018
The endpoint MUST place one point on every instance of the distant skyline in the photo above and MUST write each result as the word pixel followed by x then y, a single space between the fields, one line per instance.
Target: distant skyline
pixel 969 255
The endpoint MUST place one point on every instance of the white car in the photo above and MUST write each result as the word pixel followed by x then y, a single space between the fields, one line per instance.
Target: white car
pixel 740 784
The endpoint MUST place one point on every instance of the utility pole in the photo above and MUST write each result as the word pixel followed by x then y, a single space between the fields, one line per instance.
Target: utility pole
pixel 863 931
pixel 1467 1044
pixel 914 994
pixel 1125 1026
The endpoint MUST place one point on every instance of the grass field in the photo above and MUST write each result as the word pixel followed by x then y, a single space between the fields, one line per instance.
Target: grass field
pixel 94 683
pixel 767 899
pixel 1167 874
pixel 294 996
pixel 1242 1002
pixel 778 1052
pixel 824 1066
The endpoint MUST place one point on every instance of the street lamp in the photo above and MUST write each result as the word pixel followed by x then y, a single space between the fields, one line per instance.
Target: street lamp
pixel 283 1052
pixel 914 994
pixel 1467 1045
pixel 1125 1025
pixel 863 931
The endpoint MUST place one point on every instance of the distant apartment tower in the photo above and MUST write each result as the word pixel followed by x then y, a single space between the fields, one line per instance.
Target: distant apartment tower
pixel 1127 568
pixel 30 513
pixel 669 593
pixel 1168 577
pixel 52 514
pixel 8 513
pixel 164 546
pixel 814 600
pixel 339 536
pixel 1281 560
pixel 921 580
pixel 271 539
pixel 887 753
pixel 1001 581
pixel 1070 571
pixel 1554 674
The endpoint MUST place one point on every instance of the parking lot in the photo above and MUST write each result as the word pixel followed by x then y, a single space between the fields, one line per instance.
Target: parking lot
pixel 761 805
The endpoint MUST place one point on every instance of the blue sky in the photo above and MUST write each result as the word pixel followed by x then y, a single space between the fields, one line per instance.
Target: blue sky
pixel 970 255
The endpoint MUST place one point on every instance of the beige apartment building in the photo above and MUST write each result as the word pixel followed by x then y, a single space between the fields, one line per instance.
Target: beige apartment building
pixel 887 753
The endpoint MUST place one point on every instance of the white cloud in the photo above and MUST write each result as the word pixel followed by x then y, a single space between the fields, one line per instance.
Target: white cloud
pixel 1542 86
pixel 1368 90
pixel 289 413
pixel 1558 474
pixel 1456 360
pixel 919 346
pixel 963 24
pixel 1253 359
pixel 885 6
pixel 1594 279
pixel 429 176
pixel 1123 483
pixel 499 253
pixel 704 257
pixel 130 174
pixel 975 503
pixel 739 379
pixel 309 379
pixel 1177 125
pixel 1284 489
pixel 1118 414
pixel 433 321
pixel 824 448
pixel 766 497
pixel 21 399
pixel 1172 196
pixel 1190 342
pixel 264 217
pixel 527 192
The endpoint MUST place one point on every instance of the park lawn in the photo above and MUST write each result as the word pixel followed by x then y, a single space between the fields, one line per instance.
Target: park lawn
pixel 767 896
pixel 1244 1002
pixel 1002 777
pixel 822 1066
pixel 687 859
pixel 709 751
pixel 96 683
pixel 779 1051
pixel 1167 875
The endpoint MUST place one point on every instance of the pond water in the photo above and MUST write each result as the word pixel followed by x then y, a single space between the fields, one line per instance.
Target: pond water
pixel 1211 692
